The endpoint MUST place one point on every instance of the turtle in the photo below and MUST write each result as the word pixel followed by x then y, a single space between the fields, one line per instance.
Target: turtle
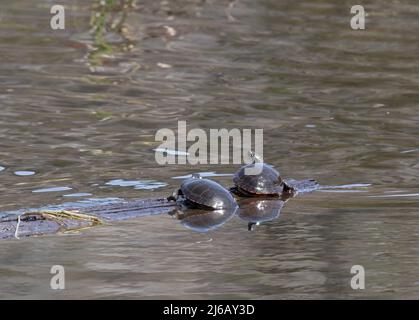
pixel 257 210
pixel 267 183
pixel 199 193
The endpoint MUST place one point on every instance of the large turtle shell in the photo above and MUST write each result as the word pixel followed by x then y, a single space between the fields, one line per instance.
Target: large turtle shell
pixel 267 182
pixel 207 193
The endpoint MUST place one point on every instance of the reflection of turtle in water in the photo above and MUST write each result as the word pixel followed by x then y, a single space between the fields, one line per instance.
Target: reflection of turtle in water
pixel 268 183
pixel 256 211
pixel 199 193
pixel 203 204
pixel 203 220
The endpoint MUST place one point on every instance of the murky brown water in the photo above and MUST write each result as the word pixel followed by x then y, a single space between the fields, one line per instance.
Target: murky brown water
pixel 337 105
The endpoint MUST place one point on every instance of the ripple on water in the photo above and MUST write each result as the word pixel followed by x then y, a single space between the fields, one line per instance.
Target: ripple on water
pixel 205 174
pixel 402 195
pixel 345 187
pixel 137 184
pixel 77 195
pixel 2 168
pixel 52 189
pixel 409 151
pixel 24 173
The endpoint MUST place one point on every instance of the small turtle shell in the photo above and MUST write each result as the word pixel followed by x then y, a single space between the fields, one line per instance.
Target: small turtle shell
pixel 207 193
pixel 267 182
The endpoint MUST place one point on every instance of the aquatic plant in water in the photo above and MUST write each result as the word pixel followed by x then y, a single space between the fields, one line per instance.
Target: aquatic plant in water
pixel 107 17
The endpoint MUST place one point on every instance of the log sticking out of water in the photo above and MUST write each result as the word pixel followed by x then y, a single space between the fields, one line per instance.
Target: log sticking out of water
pixel 42 221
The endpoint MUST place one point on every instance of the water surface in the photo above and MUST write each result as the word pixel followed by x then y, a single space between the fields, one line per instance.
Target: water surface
pixel 336 105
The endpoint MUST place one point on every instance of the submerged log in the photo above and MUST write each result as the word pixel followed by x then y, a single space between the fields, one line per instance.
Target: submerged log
pixel 42 221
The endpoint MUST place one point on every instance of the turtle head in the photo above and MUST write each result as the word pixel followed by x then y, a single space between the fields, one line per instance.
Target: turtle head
pixel 196 176
pixel 287 189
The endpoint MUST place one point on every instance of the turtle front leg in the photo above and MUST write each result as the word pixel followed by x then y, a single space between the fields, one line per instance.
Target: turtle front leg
pixel 287 192
pixel 234 190
pixel 174 196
